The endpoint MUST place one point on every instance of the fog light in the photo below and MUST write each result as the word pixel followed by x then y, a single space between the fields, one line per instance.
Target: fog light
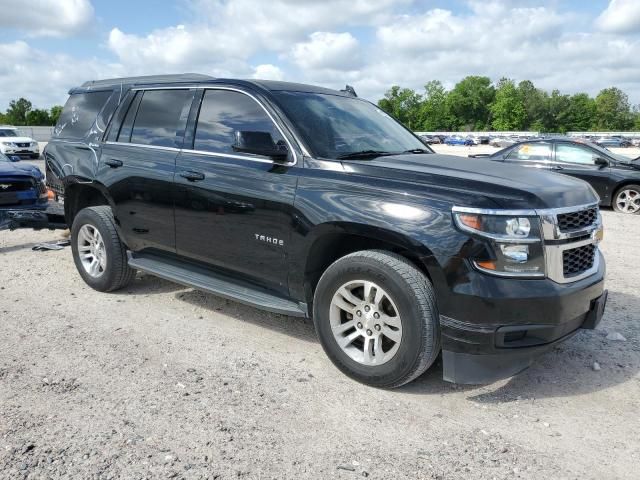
pixel 515 253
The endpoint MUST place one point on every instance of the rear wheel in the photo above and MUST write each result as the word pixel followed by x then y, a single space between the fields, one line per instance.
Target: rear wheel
pixel 627 199
pixel 99 254
pixel 376 317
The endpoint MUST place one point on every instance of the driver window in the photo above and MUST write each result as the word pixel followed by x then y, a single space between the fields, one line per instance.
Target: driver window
pixel 225 112
pixel 574 154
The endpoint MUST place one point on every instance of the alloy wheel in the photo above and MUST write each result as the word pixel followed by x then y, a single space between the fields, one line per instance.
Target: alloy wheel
pixel 365 322
pixel 628 200
pixel 92 251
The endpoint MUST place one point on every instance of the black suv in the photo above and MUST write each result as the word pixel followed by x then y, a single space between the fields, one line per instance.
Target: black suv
pixel 312 202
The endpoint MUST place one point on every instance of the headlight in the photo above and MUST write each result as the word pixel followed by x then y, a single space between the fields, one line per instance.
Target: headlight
pixel 34 144
pixel 514 242
pixel 10 145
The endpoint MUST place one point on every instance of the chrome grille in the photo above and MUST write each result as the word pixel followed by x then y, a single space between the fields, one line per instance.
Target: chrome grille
pixel 578 260
pixel 568 222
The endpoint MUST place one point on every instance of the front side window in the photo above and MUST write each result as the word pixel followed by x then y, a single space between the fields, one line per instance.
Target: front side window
pixel 574 154
pixel 334 125
pixel 224 113
pixel 79 114
pixel 531 152
pixel 161 118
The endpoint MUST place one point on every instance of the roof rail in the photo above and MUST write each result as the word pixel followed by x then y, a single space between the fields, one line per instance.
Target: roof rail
pixel 148 79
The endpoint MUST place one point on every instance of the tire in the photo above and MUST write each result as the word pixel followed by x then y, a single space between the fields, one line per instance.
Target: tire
pixel 409 350
pixel 622 198
pixel 112 271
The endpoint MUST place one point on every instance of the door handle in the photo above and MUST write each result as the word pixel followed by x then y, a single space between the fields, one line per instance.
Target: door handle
pixel 113 163
pixel 192 176
pixel 557 167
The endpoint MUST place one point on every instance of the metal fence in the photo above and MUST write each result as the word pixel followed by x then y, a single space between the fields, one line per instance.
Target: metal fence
pixel 39 134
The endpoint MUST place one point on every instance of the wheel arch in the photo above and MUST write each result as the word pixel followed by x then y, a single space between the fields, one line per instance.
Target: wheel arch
pixel 621 184
pixel 80 193
pixel 332 241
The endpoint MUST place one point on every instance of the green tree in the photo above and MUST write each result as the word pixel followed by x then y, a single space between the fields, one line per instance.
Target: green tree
pixel 508 110
pixel 18 110
pixel 403 104
pixel 54 114
pixel 612 110
pixel 434 115
pixel 468 103
pixel 38 117
pixel 557 108
pixel 535 105
pixel 580 113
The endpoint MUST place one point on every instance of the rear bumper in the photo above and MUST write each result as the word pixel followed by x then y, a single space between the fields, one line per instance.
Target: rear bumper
pixel 505 335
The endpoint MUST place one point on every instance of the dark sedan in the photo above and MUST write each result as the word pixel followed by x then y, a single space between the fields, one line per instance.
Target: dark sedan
pixel 21 186
pixel 615 178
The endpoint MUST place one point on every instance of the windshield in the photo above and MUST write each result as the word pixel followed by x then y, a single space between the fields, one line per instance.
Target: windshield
pixel 334 126
pixel 8 132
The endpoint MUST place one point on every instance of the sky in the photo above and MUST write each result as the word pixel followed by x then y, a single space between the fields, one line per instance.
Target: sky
pixel 50 46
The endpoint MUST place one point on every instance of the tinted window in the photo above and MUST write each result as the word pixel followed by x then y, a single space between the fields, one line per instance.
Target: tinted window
pixel 223 113
pixel 162 118
pixel 531 152
pixel 79 113
pixel 574 154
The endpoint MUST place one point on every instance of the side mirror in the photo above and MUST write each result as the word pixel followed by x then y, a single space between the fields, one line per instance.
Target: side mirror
pixel 259 143
pixel 601 162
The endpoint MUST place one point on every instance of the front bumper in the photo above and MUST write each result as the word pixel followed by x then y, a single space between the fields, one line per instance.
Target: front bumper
pixel 21 151
pixel 498 327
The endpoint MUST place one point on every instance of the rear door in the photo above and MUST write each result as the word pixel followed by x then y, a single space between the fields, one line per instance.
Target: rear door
pixel 235 210
pixel 138 164
pixel 579 161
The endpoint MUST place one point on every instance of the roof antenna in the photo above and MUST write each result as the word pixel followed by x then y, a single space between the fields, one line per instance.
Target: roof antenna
pixel 349 90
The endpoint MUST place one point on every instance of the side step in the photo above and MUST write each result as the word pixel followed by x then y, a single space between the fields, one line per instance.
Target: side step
pixel 215 283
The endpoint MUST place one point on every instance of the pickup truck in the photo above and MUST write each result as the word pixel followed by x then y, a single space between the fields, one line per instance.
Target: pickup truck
pixel 315 203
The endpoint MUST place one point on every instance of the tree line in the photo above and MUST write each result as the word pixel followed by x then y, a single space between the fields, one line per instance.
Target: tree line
pixel 21 113
pixel 475 103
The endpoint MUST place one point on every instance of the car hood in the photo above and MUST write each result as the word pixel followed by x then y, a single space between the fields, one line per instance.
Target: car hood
pixel 13 169
pixel 16 139
pixel 504 186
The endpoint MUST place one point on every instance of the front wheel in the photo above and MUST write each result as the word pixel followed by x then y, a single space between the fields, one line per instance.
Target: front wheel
pixel 627 199
pixel 376 317
pixel 99 254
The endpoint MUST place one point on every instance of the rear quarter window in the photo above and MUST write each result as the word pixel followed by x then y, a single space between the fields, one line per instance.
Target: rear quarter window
pixel 79 114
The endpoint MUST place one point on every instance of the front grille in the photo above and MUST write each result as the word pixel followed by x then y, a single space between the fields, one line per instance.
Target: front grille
pixel 578 260
pixel 568 222
pixel 23 145
pixel 7 186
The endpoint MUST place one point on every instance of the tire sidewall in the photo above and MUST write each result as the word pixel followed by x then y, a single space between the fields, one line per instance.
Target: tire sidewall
pixel 89 217
pixel 413 326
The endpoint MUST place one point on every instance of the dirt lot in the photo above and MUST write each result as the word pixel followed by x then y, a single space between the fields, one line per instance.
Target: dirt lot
pixel 161 381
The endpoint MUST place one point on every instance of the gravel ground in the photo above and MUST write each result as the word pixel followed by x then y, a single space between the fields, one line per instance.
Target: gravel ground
pixel 162 381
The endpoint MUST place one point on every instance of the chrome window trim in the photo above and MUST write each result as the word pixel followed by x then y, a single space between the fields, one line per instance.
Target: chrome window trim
pixel 232 155
pixel 143 145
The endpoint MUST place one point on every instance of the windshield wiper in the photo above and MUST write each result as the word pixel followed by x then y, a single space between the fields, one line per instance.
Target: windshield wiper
pixel 364 154
pixel 418 150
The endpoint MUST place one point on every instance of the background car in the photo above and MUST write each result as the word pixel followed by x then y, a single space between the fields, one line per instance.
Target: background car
pixel 615 178
pixel 502 142
pixel 458 140
pixel 14 143
pixel 615 142
pixel 21 186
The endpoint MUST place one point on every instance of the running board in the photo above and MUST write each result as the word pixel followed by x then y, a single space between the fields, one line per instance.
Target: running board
pixel 215 283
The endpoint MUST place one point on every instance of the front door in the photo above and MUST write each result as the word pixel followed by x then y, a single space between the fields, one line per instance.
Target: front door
pixel 234 210
pixel 138 167
pixel 579 161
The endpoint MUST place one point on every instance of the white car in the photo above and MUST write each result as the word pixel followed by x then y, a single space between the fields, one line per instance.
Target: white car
pixel 14 143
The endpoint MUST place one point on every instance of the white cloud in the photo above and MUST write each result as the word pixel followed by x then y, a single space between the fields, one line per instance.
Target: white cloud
pixel 326 50
pixel 56 18
pixel 621 16
pixel 268 72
